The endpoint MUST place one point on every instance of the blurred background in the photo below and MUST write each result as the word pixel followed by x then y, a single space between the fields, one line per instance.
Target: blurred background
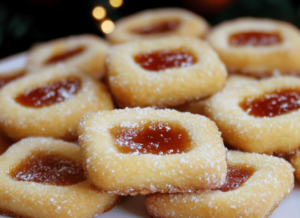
pixel 25 22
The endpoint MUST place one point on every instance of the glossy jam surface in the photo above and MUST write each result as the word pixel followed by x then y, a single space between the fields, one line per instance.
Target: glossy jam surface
pixel 272 104
pixel 159 27
pixel 64 55
pixel 51 93
pixel 254 39
pixel 236 176
pixel 6 79
pixel 160 60
pixel 49 169
pixel 152 138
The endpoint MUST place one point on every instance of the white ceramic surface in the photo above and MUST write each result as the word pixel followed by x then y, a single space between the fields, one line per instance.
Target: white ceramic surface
pixel 133 207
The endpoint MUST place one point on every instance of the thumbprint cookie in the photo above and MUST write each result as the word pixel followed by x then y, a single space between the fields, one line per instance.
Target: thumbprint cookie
pixel 156 23
pixel 50 103
pixel 254 187
pixel 163 72
pixel 142 151
pixel 263 117
pixel 44 178
pixel 257 47
pixel 232 82
pixel 85 52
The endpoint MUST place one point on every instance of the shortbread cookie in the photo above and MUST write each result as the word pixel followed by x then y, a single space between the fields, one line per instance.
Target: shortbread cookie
pixel 133 151
pixel 44 178
pixel 262 117
pixel 232 82
pixel 254 187
pixel 163 72
pixel 85 52
pixel 50 103
pixel 257 47
pixel 156 23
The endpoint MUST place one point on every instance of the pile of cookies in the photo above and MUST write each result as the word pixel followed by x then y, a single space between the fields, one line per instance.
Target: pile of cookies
pixel 200 120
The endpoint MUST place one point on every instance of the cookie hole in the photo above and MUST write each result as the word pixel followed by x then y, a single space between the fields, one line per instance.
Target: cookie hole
pixel 255 38
pixel 236 177
pixel 51 93
pixel 159 138
pixel 165 59
pixel 48 169
pixel 4 79
pixel 157 27
pixel 65 55
pixel 272 104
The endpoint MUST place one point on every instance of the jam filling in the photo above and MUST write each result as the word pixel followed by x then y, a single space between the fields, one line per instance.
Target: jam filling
pixel 152 138
pixel 64 55
pixel 272 104
pixel 49 94
pixel 159 27
pixel 236 176
pixel 6 79
pixel 254 39
pixel 160 60
pixel 49 169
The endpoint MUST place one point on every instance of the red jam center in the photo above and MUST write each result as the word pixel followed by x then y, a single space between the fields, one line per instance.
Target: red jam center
pixel 160 27
pixel 6 79
pixel 52 93
pixel 273 104
pixel 254 39
pixel 49 169
pixel 152 138
pixel 64 56
pixel 160 60
pixel 236 176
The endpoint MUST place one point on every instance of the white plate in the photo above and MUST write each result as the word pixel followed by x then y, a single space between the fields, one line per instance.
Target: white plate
pixel 134 207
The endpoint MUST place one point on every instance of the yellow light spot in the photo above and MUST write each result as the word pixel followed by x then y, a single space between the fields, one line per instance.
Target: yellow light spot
pixel 107 26
pixel 116 3
pixel 99 12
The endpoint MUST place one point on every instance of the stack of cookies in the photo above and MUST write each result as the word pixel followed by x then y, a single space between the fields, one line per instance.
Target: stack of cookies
pixel 200 120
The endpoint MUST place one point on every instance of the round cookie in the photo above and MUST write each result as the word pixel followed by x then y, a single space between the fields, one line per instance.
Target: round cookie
pixel 156 23
pixel 85 52
pixel 50 103
pixel 266 181
pixel 163 150
pixel 56 185
pixel 163 72
pixel 257 47
pixel 261 117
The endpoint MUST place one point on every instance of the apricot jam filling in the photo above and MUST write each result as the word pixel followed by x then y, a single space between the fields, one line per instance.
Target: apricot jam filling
pixel 273 104
pixel 158 27
pixel 51 93
pixel 158 138
pixel 236 176
pixel 49 169
pixel 160 60
pixel 6 79
pixel 255 38
pixel 63 56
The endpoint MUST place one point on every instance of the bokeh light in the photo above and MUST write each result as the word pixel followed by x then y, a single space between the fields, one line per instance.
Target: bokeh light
pixel 107 26
pixel 99 12
pixel 116 3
